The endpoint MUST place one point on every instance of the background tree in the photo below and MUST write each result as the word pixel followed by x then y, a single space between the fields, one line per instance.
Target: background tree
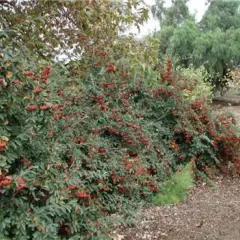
pixel 170 18
pixel 212 42
pixel 48 28
pixel 174 15
pixel 221 14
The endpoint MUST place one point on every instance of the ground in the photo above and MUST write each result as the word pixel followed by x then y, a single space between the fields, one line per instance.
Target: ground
pixel 228 105
pixel 211 213
pixel 208 213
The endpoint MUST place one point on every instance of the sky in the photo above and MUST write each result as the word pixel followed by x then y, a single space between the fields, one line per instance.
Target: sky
pixel 197 7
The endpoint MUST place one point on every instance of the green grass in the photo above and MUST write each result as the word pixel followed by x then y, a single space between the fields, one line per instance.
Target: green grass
pixel 176 189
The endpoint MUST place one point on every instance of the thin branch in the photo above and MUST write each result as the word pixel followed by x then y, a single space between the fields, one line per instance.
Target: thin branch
pixel 9 3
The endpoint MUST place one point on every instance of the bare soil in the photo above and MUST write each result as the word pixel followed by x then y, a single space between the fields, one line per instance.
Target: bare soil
pixel 211 213
pixel 208 213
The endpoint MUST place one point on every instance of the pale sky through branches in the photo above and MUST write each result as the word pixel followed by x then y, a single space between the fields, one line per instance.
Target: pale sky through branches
pixel 195 6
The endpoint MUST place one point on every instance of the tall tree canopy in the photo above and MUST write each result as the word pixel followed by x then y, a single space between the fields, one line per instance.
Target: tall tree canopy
pixel 48 28
pixel 221 14
pixel 174 15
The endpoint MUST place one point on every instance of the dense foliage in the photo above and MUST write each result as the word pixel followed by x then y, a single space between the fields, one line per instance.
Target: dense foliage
pixel 83 144
pixel 47 29
pixel 73 155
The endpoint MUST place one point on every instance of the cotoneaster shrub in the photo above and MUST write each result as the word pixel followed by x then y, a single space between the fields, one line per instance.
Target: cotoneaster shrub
pixel 69 159
pixel 78 153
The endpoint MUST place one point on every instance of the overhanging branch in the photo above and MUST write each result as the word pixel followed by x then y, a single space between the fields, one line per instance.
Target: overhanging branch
pixel 7 3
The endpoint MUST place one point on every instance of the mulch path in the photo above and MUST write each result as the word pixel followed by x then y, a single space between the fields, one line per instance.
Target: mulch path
pixel 208 213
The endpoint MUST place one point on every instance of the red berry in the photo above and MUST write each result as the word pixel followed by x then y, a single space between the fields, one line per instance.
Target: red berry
pixel 21 183
pixel 28 73
pixel 101 150
pixel 7 181
pixel 44 107
pixel 83 195
pixel 54 107
pixel 32 107
pixel 58 165
pixel 37 90
pixel 72 187
pixel 16 82
pixel 22 160
pixel 50 134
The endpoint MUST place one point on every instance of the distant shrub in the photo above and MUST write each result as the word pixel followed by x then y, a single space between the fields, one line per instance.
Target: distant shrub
pixel 198 81
pixel 234 79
